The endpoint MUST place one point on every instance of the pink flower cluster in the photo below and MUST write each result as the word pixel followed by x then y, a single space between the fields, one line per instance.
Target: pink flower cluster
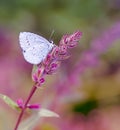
pixel 59 53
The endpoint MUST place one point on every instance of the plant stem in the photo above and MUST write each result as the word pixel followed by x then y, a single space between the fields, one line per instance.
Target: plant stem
pixel 25 106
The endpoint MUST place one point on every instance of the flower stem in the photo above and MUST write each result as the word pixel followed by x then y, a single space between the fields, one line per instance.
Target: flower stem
pixel 25 106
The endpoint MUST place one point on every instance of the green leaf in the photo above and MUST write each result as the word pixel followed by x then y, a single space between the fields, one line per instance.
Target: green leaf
pixel 34 119
pixel 9 101
pixel 47 113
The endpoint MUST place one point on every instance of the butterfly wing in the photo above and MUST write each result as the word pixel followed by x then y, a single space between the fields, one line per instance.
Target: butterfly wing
pixel 28 40
pixel 35 48
pixel 35 54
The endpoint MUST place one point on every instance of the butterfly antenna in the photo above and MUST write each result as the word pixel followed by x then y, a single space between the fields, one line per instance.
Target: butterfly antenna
pixel 50 38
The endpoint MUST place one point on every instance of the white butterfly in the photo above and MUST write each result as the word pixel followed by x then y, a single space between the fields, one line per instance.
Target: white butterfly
pixel 35 48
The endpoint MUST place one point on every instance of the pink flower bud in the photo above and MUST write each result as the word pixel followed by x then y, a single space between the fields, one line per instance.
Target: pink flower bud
pixel 42 80
pixel 20 103
pixel 35 77
pixel 33 106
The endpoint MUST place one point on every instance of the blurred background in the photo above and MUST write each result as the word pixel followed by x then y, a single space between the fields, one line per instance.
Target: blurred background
pixel 91 100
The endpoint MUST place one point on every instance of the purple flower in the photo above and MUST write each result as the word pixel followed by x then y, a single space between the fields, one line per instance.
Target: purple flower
pixel 59 53
pixel 102 43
